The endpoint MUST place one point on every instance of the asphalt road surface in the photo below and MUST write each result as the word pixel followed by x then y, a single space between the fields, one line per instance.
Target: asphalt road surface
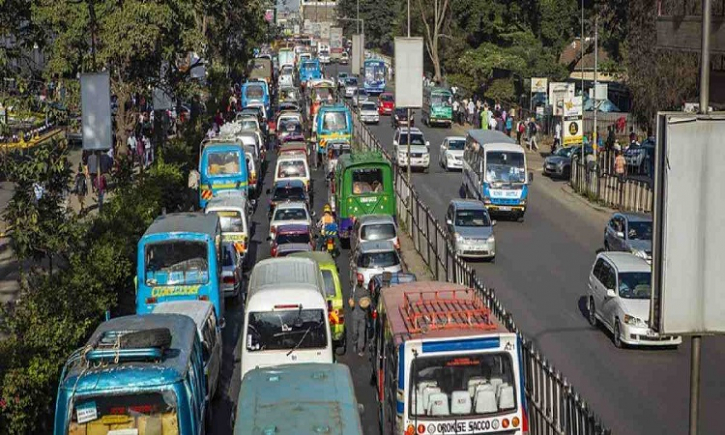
pixel 540 275
pixel 225 402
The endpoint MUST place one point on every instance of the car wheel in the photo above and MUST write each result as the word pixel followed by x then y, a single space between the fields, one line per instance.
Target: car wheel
pixel 618 335
pixel 591 312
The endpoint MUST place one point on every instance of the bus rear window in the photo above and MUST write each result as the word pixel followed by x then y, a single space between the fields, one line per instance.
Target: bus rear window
pixel 223 163
pixel 178 262
pixel 368 180
pixel 467 385
pixel 135 413
pixel 285 330
pixel 231 221
pixel 334 121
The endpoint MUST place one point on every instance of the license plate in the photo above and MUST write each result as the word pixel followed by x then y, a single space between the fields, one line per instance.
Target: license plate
pixel 505 208
pixel 651 333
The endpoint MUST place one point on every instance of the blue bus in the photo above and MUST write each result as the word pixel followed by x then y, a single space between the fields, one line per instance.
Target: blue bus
pixel 302 398
pixel 178 259
pixel 310 70
pixel 256 91
pixel 374 76
pixel 137 374
pixel 333 123
pixel 222 167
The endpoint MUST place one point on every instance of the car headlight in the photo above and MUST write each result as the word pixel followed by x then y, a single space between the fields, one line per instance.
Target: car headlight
pixel 459 238
pixel 491 239
pixel 634 321
pixel 639 253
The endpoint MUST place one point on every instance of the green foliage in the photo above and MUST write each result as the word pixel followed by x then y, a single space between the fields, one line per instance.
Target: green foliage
pixel 502 90
pixel 380 18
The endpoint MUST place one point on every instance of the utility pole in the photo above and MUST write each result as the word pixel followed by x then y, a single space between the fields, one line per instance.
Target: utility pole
pixel 357 24
pixel 410 118
pixel 581 63
pixel 595 134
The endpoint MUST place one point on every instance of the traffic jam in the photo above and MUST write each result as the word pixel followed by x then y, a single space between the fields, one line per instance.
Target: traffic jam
pixel 295 253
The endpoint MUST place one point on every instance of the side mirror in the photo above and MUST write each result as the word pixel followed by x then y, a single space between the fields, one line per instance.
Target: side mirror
pixel 449 222
pixel 313 213
pixel 493 223
pixel 531 177
pixel 611 293
pixel 427 143
pixel 443 146
pixel 620 234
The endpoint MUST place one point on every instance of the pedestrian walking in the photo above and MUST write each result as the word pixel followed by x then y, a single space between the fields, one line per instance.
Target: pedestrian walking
pixel 80 187
pixel 520 128
pixel 471 111
pixel 620 166
pixel 557 137
pixel 533 130
pixel 455 106
pixel 360 306
pixel 131 142
pixel 101 189
pixel 509 125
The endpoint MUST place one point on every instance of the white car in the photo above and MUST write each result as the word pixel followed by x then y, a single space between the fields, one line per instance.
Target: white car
pixel 618 296
pixel 289 213
pixel 324 57
pixel 451 152
pixel 344 58
pixel 369 112
pixel 419 148
pixel 351 86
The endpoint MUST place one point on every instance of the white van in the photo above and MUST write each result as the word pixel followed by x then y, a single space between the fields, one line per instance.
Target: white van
pixel 293 167
pixel 285 317
pixel 233 211
pixel 210 335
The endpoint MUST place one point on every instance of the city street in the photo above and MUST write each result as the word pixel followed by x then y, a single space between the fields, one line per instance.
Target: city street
pixel 540 275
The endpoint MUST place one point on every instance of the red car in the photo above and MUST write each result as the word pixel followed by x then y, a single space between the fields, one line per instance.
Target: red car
pixel 386 103
pixel 292 238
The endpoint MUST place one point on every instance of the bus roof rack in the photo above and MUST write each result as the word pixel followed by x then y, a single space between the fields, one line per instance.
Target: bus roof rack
pixel 425 311
pixel 117 346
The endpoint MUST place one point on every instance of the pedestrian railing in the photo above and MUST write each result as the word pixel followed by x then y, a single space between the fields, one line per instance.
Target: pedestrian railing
pixel 554 407
pixel 623 193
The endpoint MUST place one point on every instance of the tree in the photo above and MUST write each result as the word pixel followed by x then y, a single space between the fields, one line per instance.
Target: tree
pixel 434 22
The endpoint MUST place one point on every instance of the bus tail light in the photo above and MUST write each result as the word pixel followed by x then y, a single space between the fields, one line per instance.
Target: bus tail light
pixel 505 423
pixel 203 298
pixel 229 280
pixel 375 314
pixel 515 422
pixel 410 430
pixel 421 428
pixel 151 300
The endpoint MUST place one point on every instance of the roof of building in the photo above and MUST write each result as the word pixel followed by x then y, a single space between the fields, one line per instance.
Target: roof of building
pixel 570 55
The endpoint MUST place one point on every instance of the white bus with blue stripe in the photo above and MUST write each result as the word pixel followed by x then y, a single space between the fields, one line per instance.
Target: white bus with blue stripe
pixel 495 172
pixel 443 364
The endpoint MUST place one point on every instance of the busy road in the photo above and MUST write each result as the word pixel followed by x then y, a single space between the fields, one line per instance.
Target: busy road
pixel 259 250
pixel 540 275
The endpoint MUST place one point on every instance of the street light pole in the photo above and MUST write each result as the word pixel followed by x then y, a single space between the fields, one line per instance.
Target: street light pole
pixel 595 135
pixel 581 62
pixel 358 17
pixel 410 118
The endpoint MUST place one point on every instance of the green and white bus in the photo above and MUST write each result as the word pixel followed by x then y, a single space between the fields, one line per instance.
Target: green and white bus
pixel 437 106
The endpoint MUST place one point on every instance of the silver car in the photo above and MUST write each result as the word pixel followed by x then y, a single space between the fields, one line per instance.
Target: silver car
pixel 630 232
pixel 232 274
pixel 373 258
pixel 471 229
pixel 451 152
pixel 350 86
pixel 369 112
pixel 375 228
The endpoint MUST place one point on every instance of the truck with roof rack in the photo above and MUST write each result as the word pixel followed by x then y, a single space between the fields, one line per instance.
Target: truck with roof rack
pixel 140 374
pixel 443 364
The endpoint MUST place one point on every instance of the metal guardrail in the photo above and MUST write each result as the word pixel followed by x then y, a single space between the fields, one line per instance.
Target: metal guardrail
pixel 624 194
pixel 554 407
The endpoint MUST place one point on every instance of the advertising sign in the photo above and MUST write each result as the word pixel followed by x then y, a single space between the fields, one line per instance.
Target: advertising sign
pixel 539 84
pixel 409 72
pixel 558 93
pixel 573 106
pixel 688 235
pixel 357 53
pixel 96 111
pixel 573 132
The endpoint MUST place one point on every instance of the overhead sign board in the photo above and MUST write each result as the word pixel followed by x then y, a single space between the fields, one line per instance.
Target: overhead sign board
pixel 558 93
pixel 96 111
pixel 409 72
pixel 573 106
pixel 688 233
pixel 358 52
pixel 573 132
pixel 539 84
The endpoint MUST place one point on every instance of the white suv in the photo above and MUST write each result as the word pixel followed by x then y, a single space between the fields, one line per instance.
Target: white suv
pixel 419 148
pixel 618 296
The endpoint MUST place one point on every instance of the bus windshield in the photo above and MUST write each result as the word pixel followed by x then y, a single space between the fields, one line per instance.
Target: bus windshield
pixel 486 379
pixel 176 262
pixel 285 330
pixel 505 167
pixel 374 72
pixel 231 221
pixel 334 121
pixel 134 412
pixel 254 92
pixel 223 163
pixel 440 100
pixel 309 66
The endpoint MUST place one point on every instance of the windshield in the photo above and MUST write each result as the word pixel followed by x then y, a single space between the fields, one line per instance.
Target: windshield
pixel 335 152
pixel 472 218
pixel 329 282
pixel 133 412
pixel 440 100
pixel 290 214
pixel 177 262
pixel 295 193
pixel 287 70
pixel 231 221
pixel 457 145
pixel 378 232
pixel 368 180
pixel 351 81
pixel 334 121
pixel 309 66
pixel 566 152
pixel 505 167
pixel 323 93
pixel 283 238
pixel 285 330
pixel 415 139
pixel 291 168
pixel 635 285
pixel 368 106
pixel 378 259
pixel 223 163
pixel 290 125
pixel 324 53
pixel 227 252
pixel 249 124
pixel 640 231
pixel 386 97
pixel 481 384
pixel 374 72
pixel 254 92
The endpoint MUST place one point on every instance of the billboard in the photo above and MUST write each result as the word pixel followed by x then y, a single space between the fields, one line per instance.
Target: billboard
pixel 539 84
pixel 558 93
pixel 96 111
pixel 573 106
pixel 573 131
pixel 408 72
pixel 358 53
pixel 336 40
pixel 688 234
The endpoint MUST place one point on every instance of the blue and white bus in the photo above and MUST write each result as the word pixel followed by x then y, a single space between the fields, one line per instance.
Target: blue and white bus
pixel 495 172
pixel 374 76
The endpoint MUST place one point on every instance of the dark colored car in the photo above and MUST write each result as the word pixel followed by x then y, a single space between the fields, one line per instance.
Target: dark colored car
pixel 399 118
pixel 558 164
pixel 285 191
pixel 377 284
pixel 290 239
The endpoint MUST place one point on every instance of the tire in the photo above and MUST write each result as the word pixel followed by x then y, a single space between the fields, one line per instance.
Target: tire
pixel 617 335
pixel 591 310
